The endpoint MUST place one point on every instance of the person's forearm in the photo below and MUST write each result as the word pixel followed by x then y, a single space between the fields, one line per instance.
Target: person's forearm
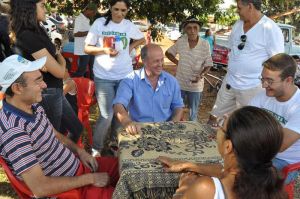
pixel 122 114
pixel 68 143
pixel 177 114
pixel 94 50
pixel 137 43
pixel 205 71
pixel 54 185
pixel 171 58
pixel 81 34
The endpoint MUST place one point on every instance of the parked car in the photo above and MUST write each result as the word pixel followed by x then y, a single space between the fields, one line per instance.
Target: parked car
pixel 142 27
pixel 55 36
pixel 60 26
pixel 173 34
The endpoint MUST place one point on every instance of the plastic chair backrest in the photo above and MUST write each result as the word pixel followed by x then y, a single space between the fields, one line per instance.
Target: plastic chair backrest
pixel 24 192
pixel 85 98
pixel 73 59
pixel 289 188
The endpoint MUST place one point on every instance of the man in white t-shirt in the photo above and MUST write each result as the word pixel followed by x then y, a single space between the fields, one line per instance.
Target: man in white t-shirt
pixel 254 39
pixel 282 99
pixel 81 29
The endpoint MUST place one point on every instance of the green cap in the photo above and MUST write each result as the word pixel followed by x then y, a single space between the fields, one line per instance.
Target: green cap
pixel 91 6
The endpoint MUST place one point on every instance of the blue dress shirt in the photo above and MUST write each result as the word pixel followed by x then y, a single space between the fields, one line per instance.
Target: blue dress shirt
pixel 144 103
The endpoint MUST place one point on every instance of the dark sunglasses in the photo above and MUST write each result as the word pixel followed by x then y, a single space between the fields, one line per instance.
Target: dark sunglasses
pixel 243 40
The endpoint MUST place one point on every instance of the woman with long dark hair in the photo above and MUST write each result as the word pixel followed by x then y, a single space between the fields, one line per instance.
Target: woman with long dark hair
pixel 108 39
pixel 247 141
pixel 32 42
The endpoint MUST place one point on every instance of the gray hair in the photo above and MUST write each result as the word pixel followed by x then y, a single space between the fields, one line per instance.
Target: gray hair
pixel 144 52
pixel 256 3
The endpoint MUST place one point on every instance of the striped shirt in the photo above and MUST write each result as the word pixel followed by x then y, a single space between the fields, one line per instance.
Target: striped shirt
pixel 191 62
pixel 27 140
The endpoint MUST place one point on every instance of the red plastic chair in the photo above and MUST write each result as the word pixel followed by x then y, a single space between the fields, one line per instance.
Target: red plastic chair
pixel 85 98
pixel 24 192
pixel 73 59
pixel 289 188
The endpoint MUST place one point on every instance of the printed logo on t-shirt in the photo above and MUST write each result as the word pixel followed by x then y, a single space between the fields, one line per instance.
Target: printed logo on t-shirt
pixel 279 118
pixel 109 39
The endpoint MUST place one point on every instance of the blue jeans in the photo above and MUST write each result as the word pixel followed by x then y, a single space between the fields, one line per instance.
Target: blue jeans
pixel 280 164
pixel 105 93
pixel 192 99
pixel 70 122
pixel 60 112
pixel 84 61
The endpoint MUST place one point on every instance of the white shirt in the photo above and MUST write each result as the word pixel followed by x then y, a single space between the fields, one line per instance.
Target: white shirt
pixel 288 114
pixel 219 194
pixel 264 40
pixel 82 24
pixel 105 66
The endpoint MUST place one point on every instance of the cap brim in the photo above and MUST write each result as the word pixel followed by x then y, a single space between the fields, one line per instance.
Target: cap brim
pixel 36 65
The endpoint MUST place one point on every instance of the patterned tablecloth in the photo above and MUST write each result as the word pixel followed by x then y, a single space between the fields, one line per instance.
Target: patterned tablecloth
pixel 141 176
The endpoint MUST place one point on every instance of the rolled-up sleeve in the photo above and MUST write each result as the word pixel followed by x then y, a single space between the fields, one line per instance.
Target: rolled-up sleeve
pixel 177 101
pixel 124 92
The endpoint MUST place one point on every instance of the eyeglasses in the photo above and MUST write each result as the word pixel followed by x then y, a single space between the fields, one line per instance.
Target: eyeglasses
pixel 268 81
pixel 243 40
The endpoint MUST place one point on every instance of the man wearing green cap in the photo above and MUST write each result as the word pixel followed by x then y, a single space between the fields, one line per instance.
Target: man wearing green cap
pixel 81 29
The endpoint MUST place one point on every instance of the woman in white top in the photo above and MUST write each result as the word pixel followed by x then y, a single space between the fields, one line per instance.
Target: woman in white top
pixel 247 141
pixel 108 39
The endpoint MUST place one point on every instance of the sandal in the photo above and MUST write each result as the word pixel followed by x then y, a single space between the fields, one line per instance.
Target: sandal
pixel 212 122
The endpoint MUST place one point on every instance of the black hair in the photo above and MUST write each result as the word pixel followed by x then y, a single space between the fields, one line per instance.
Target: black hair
pixel 23 15
pixel 256 3
pixel 282 62
pixel 256 137
pixel 107 15
pixel 20 80
pixel 207 33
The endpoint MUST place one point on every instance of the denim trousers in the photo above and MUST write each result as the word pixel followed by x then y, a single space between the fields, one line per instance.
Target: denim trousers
pixel 192 99
pixel 84 62
pixel 60 113
pixel 280 164
pixel 105 94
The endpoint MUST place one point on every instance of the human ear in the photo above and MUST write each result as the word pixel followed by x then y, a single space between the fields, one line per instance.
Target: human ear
pixel 17 88
pixel 228 147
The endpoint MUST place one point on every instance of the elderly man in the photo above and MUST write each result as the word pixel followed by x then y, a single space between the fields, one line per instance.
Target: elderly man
pixel 44 159
pixel 254 39
pixel 194 62
pixel 81 29
pixel 281 98
pixel 148 94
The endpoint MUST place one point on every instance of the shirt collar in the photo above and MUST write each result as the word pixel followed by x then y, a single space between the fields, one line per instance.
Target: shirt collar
pixel 10 108
pixel 161 80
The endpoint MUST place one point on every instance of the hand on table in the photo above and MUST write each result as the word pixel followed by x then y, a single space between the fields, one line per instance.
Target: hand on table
pixel 88 160
pixel 132 128
pixel 171 165
pixel 101 179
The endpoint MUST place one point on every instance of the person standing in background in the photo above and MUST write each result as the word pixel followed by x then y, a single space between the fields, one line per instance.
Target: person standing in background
pixel 254 38
pixel 81 29
pixel 210 39
pixel 108 39
pixel 194 62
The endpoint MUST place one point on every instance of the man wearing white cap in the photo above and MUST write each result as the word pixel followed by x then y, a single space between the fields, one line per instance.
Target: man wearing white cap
pixel 33 149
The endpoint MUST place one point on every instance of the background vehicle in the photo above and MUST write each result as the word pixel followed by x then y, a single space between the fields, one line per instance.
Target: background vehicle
pixel 142 27
pixel 55 37
pixel 60 26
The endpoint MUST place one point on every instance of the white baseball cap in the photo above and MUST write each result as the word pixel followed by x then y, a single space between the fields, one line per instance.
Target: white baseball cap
pixel 13 66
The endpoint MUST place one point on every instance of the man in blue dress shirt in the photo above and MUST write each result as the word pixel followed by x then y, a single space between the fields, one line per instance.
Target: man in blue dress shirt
pixel 149 94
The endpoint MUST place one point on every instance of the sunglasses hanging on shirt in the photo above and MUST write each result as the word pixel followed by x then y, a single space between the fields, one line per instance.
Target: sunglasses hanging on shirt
pixel 243 42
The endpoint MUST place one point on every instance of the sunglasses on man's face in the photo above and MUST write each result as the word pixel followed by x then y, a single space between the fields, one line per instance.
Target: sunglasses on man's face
pixel 243 42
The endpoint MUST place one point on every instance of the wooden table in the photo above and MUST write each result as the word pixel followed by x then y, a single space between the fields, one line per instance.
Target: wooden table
pixel 141 176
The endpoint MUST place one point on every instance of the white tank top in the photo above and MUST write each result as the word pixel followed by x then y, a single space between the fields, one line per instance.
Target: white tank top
pixel 219 194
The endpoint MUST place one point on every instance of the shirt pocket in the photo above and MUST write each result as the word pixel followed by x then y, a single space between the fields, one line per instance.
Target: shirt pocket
pixel 166 99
